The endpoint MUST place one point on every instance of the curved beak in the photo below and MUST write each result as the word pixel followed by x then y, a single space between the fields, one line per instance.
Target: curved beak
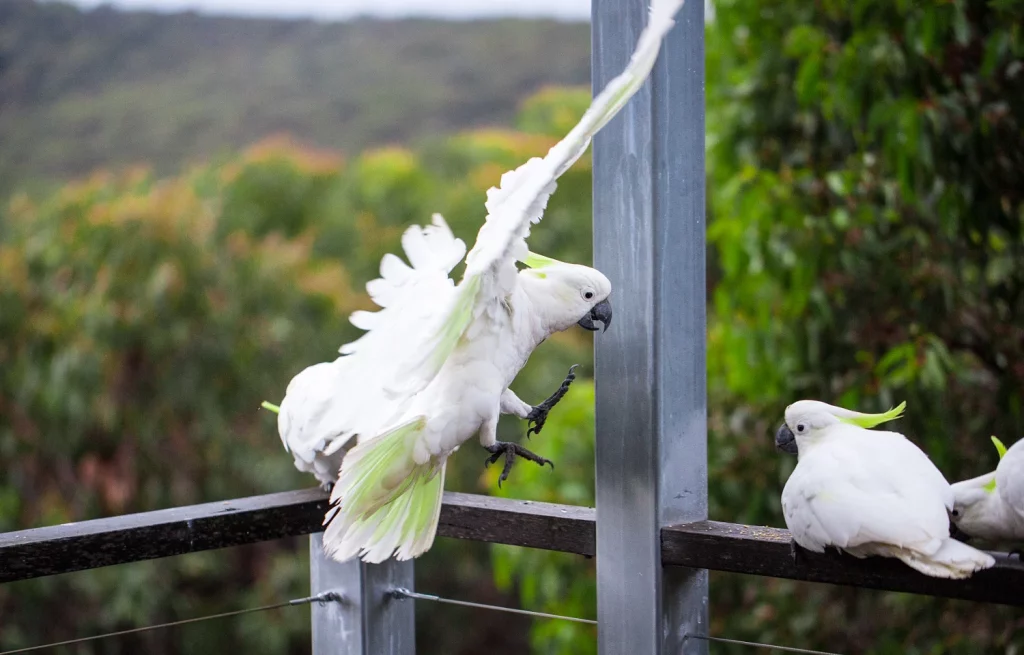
pixel 602 311
pixel 785 440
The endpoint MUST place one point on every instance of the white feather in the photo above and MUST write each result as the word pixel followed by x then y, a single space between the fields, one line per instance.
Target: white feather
pixel 438 356
pixel 994 514
pixel 874 493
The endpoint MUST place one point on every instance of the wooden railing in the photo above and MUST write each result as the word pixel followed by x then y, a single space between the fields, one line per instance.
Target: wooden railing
pixel 712 545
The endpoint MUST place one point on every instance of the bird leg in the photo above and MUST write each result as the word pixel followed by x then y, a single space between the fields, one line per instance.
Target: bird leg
pixel 511 450
pixel 796 551
pixel 539 414
pixel 327 486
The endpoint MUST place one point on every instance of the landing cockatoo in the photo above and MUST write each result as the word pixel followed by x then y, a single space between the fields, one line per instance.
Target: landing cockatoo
pixel 868 492
pixel 434 366
pixel 991 506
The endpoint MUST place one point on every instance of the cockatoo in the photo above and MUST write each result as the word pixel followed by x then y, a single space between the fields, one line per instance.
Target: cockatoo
pixel 433 368
pixel 868 492
pixel 991 506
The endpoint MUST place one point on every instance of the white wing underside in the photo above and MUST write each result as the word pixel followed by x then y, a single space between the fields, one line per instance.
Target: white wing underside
pixel 424 315
pixel 879 489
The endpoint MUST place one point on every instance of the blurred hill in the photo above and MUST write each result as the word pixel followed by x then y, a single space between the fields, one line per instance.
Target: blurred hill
pixel 84 89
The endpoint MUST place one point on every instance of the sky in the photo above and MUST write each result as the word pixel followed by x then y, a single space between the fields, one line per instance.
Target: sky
pixel 341 9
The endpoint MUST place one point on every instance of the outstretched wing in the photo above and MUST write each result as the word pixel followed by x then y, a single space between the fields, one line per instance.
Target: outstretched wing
pixel 423 314
pixel 519 201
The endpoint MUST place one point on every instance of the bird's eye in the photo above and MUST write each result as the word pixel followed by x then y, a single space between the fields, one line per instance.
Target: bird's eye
pixel 588 294
pixel 800 427
pixel 956 512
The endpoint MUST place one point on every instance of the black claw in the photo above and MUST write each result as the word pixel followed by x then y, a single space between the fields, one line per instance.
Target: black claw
pixel 511 451
pixel 539 414
pixel 796 551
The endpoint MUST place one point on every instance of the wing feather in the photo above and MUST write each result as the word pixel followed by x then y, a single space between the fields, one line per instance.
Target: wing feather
pixel 522 196
pixel 877 487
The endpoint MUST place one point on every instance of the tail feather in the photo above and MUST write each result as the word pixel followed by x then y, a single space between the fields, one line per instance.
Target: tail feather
pixel 953 559
pixel 384 501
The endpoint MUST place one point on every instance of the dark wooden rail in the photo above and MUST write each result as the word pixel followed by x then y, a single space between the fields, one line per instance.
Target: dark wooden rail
pixel 706 544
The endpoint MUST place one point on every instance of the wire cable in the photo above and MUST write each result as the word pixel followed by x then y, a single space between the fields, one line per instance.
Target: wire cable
pixel 405 593
pixel 754 644
pixel 326 597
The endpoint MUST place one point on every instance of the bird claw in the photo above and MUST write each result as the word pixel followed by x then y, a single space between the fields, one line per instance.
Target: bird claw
pixel 327 486
pixel 796 552
pixel 539 414
pixel 510 451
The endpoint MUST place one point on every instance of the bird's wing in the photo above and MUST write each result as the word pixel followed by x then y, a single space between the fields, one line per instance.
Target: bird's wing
pixel 521 197
pixel 363 391
pixel 882 490
pixel 424 316
pixel 1010 479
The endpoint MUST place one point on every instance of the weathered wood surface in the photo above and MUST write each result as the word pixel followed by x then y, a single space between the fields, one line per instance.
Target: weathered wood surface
pixel 765 551
pixel 705 544
pixel 163 533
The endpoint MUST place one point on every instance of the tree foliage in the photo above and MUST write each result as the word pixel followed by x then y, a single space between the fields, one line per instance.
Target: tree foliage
pixel 865 246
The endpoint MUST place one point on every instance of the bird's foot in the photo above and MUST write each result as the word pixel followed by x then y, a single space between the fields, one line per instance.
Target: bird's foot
pixel 1016 552
pixel 796 551
pixel 539 413
pixel 512 450
pixel 327 486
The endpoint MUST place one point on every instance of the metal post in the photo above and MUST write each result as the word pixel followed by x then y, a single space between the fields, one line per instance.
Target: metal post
pixel 369 621
pixel 649 238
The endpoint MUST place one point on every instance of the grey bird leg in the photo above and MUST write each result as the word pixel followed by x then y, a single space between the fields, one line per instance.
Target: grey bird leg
pixel 511 450
pixel 539 414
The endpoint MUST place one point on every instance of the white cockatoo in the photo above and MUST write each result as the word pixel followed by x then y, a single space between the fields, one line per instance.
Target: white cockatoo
pixel 868 492
pixel 433 368
pixel 991 506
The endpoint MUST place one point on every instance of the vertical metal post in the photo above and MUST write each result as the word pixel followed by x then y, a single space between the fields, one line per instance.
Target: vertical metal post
pixel 369 621
pixel 649 238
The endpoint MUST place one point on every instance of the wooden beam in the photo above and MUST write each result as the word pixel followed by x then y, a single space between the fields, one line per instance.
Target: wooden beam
pixel 704 544
pixel 149 535
pixel 765 551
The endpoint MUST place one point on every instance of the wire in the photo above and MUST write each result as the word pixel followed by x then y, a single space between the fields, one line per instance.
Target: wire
pixel 755 644
pixel 326 597
pixel 405 593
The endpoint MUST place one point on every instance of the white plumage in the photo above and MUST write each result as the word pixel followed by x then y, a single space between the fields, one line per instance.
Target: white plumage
pixel 433 368
pixel 870 492
pixel 991 506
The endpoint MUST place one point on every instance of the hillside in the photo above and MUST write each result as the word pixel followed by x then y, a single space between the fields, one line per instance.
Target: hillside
pixel 81 89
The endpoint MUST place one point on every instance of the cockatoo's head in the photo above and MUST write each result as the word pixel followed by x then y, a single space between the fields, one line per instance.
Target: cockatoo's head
pixel 568 294
pixel 977 507
pixel 807 420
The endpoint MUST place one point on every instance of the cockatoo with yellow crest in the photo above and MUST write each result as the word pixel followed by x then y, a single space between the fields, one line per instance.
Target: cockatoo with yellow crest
pixel 868 492
pixel 433 369
pixel 991 506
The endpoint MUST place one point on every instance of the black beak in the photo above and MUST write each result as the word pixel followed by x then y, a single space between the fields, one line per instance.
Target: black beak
pixel 957 533
pixel 602 311
pixel 785 440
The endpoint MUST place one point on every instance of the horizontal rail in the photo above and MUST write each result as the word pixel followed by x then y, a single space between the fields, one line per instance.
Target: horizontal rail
pixel 765 551
pixel 149 535
pixel 706 544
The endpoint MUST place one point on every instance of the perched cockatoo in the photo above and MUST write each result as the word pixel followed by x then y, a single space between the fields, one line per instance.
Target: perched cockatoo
pixel 991 506
pixel 868 492
pixel 433 368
